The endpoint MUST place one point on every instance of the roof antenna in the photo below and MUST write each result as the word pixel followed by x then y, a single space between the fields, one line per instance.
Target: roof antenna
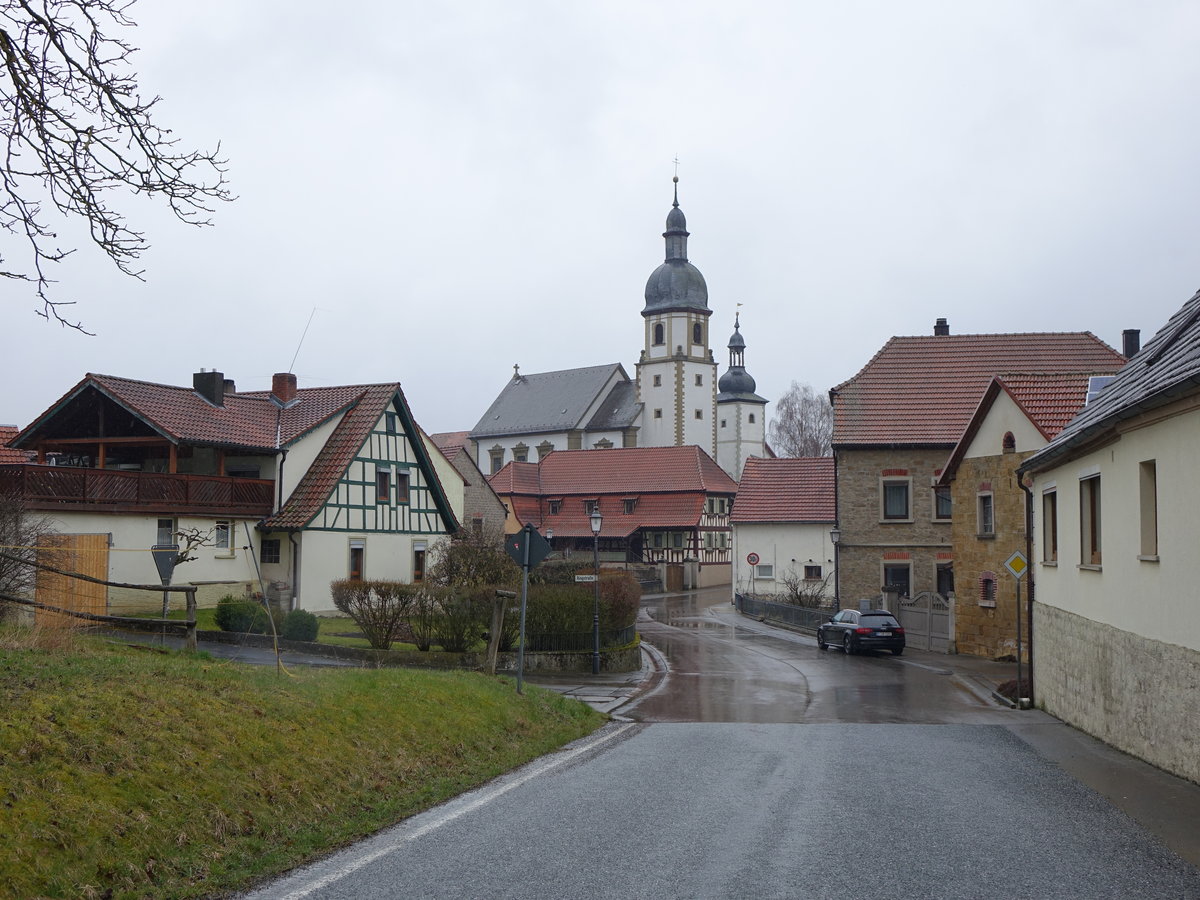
pixel 292 367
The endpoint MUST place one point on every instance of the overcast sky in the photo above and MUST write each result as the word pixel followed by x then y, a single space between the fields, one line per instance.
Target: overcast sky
pixel 455 187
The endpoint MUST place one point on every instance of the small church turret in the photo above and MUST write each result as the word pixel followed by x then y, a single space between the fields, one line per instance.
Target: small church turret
pixel 741 413
pixel 676 375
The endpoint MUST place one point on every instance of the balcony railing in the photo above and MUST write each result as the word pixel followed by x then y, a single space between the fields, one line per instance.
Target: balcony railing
pixel 65 488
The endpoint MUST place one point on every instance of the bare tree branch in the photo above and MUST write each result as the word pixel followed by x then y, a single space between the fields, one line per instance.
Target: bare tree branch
pixel 73 129
pixel 802 424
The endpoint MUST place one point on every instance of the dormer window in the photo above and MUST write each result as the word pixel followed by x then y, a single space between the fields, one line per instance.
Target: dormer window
pixel 591 506
pixel 555 507
pixel 630 505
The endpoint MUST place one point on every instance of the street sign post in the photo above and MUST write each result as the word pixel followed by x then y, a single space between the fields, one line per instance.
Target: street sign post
pixel 1017 566
pixel 527 548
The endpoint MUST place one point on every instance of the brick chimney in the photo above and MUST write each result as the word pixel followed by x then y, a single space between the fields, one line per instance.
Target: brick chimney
pixel 283 387
pixel 230 387
pixel 1131 341
pixel 210 386
pixel 941 327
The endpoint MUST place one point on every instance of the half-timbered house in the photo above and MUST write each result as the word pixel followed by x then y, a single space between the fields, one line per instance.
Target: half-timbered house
pixel 661 506
pixel 291 488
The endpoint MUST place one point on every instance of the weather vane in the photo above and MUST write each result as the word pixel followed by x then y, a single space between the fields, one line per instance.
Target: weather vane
pixel 676 166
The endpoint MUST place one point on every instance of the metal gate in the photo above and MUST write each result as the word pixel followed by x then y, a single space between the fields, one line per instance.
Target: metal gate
pixel 928 620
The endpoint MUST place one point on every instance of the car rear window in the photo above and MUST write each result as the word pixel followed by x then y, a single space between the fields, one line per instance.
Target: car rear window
pixel 876 620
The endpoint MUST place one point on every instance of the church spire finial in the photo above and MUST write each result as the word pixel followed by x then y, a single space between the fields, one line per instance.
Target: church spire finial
pixel 676 180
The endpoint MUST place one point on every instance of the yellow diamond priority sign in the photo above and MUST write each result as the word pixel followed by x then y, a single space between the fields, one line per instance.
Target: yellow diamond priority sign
pixel 1017 564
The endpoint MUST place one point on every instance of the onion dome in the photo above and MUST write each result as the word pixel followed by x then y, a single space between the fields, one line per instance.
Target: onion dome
pixel 737 384
pixel 676 284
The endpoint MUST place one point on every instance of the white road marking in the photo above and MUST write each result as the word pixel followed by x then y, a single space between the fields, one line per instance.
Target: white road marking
pixel 482 797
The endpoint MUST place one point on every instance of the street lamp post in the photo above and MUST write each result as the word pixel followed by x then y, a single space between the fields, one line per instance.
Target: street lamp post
pixel 597 520
pixel 835 538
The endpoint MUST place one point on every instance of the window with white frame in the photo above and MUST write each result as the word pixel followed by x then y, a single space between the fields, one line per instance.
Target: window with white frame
pixel 165 532
pixel 764 570
pixel 223 535
pixel 1090 531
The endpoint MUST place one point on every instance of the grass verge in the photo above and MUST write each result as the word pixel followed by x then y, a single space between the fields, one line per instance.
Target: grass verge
pixel 135 773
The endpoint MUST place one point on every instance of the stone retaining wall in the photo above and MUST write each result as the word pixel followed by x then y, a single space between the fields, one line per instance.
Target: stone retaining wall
pixel 1140 695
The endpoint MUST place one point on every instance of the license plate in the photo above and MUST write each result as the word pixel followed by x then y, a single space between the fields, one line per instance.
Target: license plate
pixel 885 634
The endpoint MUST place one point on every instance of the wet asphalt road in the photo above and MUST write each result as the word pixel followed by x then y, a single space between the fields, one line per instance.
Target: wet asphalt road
pixel 758 766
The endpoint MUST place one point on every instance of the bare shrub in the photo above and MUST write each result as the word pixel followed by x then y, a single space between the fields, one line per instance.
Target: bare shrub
pixel 379 608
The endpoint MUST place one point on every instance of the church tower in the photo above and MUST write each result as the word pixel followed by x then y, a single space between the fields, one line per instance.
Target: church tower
pixel 676 374
pixel 741 413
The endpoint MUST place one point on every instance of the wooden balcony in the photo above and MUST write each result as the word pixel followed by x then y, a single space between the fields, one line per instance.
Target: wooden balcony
pixel 64 488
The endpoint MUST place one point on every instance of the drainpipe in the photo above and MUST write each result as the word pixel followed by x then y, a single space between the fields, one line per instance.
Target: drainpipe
pixel 279 479
pixel 1027 487
pixel 295 566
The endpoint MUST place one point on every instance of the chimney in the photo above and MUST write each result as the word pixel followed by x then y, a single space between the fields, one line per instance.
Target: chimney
pixel 941 327
pixel 210 386
pixel 1131 341
pixel 230 387
pixel 283 387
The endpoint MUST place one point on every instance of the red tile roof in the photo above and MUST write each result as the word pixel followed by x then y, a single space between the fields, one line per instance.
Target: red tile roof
pixel 1048 401
pixel 252 420
pixel 924 389
pixel 451 443
pixel 669 485
pixel 9 455
pixel 786 490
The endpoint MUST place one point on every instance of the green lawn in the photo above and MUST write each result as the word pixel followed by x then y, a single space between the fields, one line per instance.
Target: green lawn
pixel 133 772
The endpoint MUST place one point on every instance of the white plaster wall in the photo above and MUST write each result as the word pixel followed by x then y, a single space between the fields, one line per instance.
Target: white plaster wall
pixel 325 557
pixel 739 439
pixel 301 455
pixel 453 484
pixel 1004 416
pixel 216 573
pixel 1156 600
pixel 779 544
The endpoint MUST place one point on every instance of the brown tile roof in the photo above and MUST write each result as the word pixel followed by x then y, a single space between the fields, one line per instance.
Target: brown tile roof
pixel 786 490
pixel 924 389
pixel 1049 402
pixel 9 455
pixel 351 433
pixel 451 443
pixel 669 484
pixel 247 420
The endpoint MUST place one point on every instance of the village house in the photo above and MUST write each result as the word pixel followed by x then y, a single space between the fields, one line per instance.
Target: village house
pixel 666 507
pixel 290 488
pixel 1116 648
pixel 895 424
pixel 1018 415
pixel 782 520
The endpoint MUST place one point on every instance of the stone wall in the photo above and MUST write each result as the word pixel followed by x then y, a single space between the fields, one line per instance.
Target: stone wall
pixel 980 629
pixel 1140 695
pixel 867 540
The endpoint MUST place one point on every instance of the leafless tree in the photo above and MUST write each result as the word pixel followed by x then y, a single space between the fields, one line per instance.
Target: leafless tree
pixel 802 424
pixel 801 591
pixel 74 128
pixel 21 533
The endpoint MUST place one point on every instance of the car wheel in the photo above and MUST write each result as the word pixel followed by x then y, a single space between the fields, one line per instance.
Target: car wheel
pixel 846 645
pixel 821 645
pixel 896 651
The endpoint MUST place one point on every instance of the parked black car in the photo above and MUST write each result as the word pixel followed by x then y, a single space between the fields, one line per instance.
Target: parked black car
pixel 875 629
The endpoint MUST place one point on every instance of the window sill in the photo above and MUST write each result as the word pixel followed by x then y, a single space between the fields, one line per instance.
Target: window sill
pixel 896 521
pixel 1050 563
pixel 1088 567
pixel 225 554
pixel 986 537
pixel 1152 559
